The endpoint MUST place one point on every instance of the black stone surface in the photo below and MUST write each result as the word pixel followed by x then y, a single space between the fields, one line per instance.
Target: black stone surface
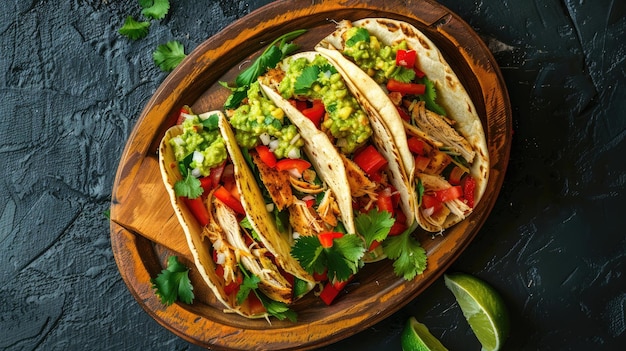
pixel 71 90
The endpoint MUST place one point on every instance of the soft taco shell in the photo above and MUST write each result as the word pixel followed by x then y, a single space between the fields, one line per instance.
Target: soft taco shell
pixel 196 235
pixel 452 96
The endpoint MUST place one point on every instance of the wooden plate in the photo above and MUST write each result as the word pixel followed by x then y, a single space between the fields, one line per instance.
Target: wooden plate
pixel 144 230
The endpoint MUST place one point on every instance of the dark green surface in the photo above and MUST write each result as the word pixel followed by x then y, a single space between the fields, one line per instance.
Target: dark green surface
pixel 554 246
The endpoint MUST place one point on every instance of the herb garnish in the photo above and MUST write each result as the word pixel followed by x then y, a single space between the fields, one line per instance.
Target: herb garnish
pixel 173 283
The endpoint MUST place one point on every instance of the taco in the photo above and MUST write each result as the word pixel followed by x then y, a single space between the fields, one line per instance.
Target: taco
pixel 232 238
pixel 316 99
pixel 426 109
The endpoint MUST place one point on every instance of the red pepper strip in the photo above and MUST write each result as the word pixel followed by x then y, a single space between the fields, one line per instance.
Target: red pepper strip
pixel 198 209
pixel 331 290
pixel 416 145
pixel 374 245
pixel 421 163
pixel 293 163
pixel 406 88
pixel 399 226
pixel 255 305
pixel 469 190
pixel 309 203
pixel 326 238
pixel 206 183
pixel 266 155
pixel 406 58
pixel 419 73
pixel 384 202
pixel 216 174
pixel 315 112
pixel 320 277
pixel 449 194
pixel 370 160
pixel 227 198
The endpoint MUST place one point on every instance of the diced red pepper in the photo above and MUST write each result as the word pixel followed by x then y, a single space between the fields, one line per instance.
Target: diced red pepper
pixel 206 183
pixel 449 194
pixel 315 112
pixel 298 164
pixel 326 238
pixel 421 163
pixel 216 174
pixel 229 200
pixel 320 277
pixel 406 88
pixel 198 209
pixel 329 293
pixel 255 305
pixel 370 160
pixel 374 245
pixel 469 190
pixel 299 104
pixel 181 118
pixel 419 73
pixel 406 58
pixel 416 145
pixel 403 114
pixel 309 202
pixel 399 226
pixel 266 155
pixel 384 201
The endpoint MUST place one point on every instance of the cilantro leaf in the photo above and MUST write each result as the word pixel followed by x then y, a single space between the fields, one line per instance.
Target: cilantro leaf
pixel 189 187
pixel 155 9
pixel 133 29
pixel 342 259
pixel 250 283
pixel 402 74
pixel 305 81
pixel 430 96
pixel 211 122
pixel 360 34
pixel 374 225
pixel 173 283
pixel 408 255
pixel 278 309
pixel 167 56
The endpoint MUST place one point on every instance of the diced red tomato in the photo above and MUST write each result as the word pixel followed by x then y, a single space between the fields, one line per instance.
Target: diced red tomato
pixel 297 164
pixel 370 160
pixel 399 226
pixel 469 190
pixel 429 201
pixel 315 112
pixel 198 209
pixel 206 183
pixel 406 88
pixel 216 174
pixel 449 194
pixel 403 114
pixel 384 201
pixel 329 293
pixel 419 73
pixel 374 245
pixel 406 58
pixel 299 104
pixel 326 238
pixel 455 175
pixel 266 155
pixel 227 198
pixel 320 277
pixel 309 202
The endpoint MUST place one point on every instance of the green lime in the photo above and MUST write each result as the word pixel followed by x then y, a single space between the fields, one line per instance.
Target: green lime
pixel 416 337
pixel 483 308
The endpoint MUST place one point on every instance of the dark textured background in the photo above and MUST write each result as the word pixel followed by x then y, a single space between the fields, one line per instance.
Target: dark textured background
pixel 71 90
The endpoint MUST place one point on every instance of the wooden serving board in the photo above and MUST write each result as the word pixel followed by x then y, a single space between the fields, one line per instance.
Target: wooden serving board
pixel 145 231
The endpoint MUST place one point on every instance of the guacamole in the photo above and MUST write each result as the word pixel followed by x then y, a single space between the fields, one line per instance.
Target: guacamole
pixel 347 122
pixel 204 145
pixel 374 57
pixel 261 118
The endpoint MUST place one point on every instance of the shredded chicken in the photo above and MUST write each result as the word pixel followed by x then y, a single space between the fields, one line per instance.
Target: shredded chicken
pixel 360 184
pixel 276 183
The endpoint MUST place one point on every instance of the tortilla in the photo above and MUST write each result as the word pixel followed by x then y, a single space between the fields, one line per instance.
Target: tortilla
pixel 319 145
pixel 452 96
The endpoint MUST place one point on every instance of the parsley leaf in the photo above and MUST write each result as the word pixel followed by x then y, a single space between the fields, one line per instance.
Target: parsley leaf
pixel 430 96
pixel 133 29
pixel 374 225
pixel 155 9
pixel 189 187
pixel 342 259
pixel 277 309
pixel 360 34
pixel 173 283
pixel 408 255
pixel 167 56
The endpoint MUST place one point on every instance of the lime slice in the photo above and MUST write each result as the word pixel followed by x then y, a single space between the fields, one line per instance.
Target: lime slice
pixel 416 337
pixel 483 308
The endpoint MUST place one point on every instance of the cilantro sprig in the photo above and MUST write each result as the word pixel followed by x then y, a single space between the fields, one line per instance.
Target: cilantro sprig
pixel 167 56
pixel 189 187
pixel 408 254
pixel 133 29
pixel 374 225
pixel 342 259
pixel 173 283
pixel 271 56
pixel 150 9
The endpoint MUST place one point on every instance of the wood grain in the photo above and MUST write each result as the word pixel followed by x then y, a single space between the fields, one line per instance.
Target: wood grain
pixel 144 230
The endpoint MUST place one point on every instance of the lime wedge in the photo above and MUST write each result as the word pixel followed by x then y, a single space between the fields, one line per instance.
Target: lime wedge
pixel 416 337
pixel 483 308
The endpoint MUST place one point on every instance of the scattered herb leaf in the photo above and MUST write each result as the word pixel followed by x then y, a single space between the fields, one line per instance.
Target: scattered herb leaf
pixel 133 29
pixel 155 9
pixel 167 56
pixel 173 283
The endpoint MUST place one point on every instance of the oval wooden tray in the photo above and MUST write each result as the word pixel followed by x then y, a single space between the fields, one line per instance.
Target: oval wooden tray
pixel 144 230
